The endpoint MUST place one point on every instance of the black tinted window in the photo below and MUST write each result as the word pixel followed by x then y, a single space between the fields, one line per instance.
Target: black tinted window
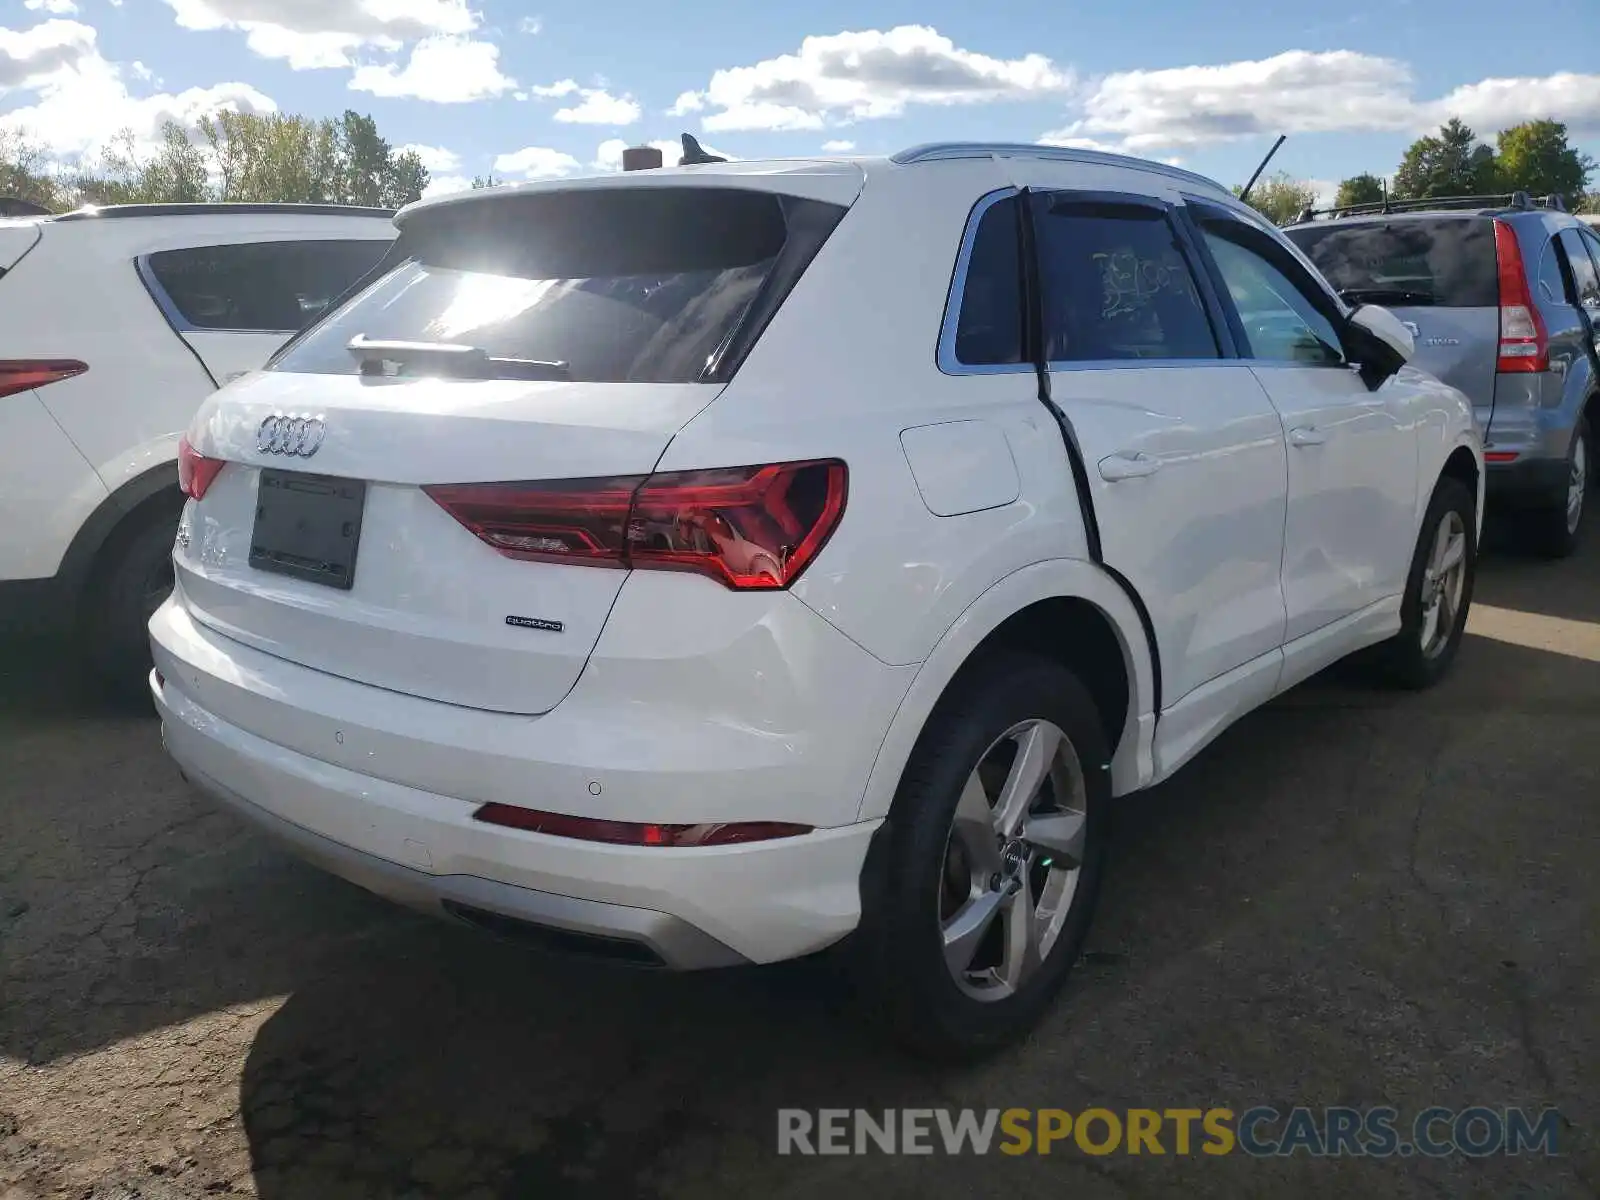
pixel 990 326
pixel 1584 276
pixel 1278 305
pixel 274 286
pixel 644 285
pixel 1115 286
pixel 1448 262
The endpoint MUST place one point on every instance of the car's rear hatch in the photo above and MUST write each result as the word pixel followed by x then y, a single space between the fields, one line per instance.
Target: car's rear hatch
pixel 1437 273
pixel 317 541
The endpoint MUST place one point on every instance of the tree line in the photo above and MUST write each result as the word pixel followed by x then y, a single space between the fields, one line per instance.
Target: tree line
pixel 230 156
pixel 1534 157
pixel 281 157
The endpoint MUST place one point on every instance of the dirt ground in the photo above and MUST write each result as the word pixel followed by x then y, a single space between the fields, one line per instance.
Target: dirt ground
pixel 1353 898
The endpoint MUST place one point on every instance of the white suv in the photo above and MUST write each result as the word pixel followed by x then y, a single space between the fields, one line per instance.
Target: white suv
pixel 711 565
pixel 114 324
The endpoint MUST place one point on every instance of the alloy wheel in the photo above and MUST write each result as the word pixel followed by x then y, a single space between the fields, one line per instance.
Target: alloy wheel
pixel 1443 582
pixel 1013 860
pixel 1577 484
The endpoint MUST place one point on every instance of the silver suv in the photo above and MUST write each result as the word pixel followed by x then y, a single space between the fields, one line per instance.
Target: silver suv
pixel 1502 295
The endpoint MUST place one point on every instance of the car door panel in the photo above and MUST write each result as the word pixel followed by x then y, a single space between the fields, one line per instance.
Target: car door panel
pixel 1187 478
pixel 1352 451
pixel 1184 452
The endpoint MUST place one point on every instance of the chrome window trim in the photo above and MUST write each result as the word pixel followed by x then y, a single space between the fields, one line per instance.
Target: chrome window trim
pixel 945 353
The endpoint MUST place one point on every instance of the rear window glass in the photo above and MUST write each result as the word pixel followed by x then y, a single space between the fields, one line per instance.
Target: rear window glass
pixel 275 287
pixel 640 285
pixel 989 329
pixel 1450 263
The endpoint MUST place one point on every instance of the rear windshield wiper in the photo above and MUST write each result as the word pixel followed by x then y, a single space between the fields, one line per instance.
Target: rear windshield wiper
pixel 1386 296
pixel 452 359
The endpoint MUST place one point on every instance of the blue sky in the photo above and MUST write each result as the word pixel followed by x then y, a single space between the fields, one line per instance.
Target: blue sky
pixel 558 87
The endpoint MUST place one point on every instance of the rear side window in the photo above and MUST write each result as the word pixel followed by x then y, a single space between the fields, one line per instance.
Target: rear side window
pixel 268 286
pixel 637 284
pixel 1115 286
pixel 1585 279
pixel 1448 262
pixel 989 330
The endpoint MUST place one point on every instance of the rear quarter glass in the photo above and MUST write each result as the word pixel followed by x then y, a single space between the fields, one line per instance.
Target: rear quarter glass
pixel 656 285
pixel 1449 262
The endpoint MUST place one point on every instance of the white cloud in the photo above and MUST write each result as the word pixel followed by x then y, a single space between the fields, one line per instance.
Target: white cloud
pixel 1301 92
pixel 838 147
pixel 435 158
pixel 445 70
pixel 1495 104
pixel 443 185
pixel 530 25
pixel 596 106
pixel 142 73
pixel 853 76
pixel 81 102
pixel 608 157
pixel 1294 92
pixel 309 34
pixel 537 162
pixel 600 107
pixel 60 8
pixel 31 56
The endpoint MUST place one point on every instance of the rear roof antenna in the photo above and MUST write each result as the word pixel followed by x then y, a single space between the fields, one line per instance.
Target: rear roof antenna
pixel 694 154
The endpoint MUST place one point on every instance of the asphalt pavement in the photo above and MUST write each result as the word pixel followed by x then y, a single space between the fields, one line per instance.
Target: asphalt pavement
pixel 1355 897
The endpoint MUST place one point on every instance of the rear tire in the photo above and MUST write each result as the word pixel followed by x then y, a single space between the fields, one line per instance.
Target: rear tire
pixel 946 884
pixel 132 579
pixel 1433 613
pixel 1555 529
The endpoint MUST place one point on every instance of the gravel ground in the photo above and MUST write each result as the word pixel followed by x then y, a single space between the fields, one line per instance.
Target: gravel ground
pixel 1352 898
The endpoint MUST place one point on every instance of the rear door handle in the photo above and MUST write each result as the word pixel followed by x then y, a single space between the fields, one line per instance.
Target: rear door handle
pixel 1128 466
pixel 1307 435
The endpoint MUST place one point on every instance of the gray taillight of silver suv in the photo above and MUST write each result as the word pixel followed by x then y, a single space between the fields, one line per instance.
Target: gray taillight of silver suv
pixel 1504 303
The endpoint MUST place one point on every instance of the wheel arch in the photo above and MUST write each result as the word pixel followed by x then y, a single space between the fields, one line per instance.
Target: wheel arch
pixel 1077 614
pixel 116 516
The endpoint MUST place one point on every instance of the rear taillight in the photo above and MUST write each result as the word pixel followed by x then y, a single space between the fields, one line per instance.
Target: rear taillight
pixel 749 528
pixel 20 374
pixel 1524 346
pixel 636 833
pixel 195 470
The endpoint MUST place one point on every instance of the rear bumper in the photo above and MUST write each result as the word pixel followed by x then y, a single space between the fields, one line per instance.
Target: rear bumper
pixel 1527 481
pixel 638 934
pixel 381 789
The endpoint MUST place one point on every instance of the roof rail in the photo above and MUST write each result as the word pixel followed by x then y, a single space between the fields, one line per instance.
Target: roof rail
pixel 1504 200
pixel 92 213
pixel 943 151
pixel 16 206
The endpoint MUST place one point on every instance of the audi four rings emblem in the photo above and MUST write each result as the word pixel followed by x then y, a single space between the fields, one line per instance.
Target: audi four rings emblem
pixel 300 436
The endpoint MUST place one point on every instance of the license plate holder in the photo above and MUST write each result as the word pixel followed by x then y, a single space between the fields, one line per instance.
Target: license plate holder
pixel 308 527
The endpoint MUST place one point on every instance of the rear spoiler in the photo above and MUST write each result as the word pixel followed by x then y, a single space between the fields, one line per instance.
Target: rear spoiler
pixel 393 257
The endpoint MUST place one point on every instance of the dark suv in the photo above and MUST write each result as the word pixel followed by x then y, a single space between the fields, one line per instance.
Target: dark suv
pixel 1502 295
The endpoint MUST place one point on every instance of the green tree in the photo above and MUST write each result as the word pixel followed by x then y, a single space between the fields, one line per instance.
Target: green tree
pixel 25 173
pixel 1536 158
pixel 485 181
pixel 1450 163
pixel 1359 189
pixel 370 172
pixel 1280 198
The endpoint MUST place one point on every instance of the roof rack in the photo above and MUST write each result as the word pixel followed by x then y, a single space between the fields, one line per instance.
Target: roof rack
pixel 110 211
pixel 941 151
pixel 1520 201
pixel 16 206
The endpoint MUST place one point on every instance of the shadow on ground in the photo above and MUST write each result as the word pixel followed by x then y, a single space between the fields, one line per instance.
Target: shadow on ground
pixel 1354 897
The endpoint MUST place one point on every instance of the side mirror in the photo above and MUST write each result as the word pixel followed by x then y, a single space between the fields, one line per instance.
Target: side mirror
pixel 1380 342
